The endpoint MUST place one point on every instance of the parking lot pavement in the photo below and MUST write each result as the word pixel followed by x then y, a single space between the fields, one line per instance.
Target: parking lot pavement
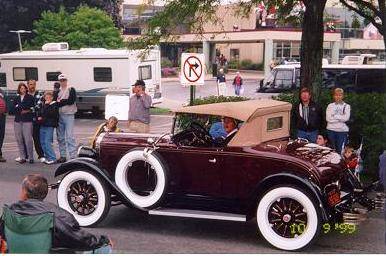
pixel 136 232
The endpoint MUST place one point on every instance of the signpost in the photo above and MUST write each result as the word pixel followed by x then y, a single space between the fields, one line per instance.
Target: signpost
pixel 192 71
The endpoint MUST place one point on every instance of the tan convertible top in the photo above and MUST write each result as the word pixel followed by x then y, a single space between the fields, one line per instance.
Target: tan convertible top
pixel 258 117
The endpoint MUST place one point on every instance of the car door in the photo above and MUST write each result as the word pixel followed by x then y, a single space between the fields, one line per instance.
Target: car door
pixel 197 169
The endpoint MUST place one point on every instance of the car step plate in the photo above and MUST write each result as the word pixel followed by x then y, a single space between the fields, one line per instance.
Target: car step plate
pixel 198 214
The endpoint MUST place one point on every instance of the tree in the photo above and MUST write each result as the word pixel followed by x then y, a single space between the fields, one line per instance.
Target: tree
pixel 355 22
pixel 86 27
pixel 20 14
pixel 372 10
pixel 180 12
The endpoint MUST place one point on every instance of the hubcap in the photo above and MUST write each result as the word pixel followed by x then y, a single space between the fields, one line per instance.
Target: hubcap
pixel 287 217
pixel 82 197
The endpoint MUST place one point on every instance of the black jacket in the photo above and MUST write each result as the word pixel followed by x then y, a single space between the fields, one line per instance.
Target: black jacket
pixel 67 232
pixel 49 114
pixel 71 98
pixel 38 103
pixel 315 118
pixel 28 103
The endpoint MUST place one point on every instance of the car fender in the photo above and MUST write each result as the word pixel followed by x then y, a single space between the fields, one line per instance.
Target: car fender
pixel 93 166
pixel 290 178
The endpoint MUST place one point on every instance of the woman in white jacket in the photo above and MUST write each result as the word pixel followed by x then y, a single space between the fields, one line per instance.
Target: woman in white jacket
pixel 337 114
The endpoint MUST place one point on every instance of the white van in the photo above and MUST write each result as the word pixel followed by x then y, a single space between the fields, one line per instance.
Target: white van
pixel 352 78
pixel 93 72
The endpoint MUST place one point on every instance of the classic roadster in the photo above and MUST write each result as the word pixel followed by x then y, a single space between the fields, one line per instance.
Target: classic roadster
pixel 259 174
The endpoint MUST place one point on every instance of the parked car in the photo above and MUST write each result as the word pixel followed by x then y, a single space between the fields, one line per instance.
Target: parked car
pixel 259 175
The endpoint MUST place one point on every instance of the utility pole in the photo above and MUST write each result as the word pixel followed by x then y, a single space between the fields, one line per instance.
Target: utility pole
pixel 18 32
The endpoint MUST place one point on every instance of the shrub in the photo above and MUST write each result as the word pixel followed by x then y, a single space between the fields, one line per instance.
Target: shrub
pixel 233 64
pixel 368 123
pixel 249 65
pixel 166 63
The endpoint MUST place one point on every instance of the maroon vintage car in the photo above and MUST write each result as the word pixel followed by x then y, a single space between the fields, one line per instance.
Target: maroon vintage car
pixel 291 188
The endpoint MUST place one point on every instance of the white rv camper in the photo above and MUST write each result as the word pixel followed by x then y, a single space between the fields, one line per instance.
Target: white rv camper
pixel 93 72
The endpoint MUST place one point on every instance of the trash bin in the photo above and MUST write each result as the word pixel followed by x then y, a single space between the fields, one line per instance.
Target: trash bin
pixel 214 70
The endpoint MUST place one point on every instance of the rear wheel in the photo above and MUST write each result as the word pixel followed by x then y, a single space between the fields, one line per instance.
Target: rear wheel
pixel 84 195
pixel 288 218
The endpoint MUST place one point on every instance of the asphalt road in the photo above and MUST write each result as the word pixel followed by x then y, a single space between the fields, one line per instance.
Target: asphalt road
pixel 136 232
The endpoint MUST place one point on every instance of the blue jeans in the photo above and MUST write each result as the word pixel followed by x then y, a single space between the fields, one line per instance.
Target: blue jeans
pixel 65 133
pixel 107 249
pixel 46 140
pixel 337 139
pixel 237 89
pixel 310 136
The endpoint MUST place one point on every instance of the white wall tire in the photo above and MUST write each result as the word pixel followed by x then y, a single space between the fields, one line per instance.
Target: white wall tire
pixel 121 174
pixel 268 227
pixel 97 190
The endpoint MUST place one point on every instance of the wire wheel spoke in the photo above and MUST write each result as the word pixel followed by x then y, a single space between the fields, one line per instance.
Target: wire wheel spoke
pixel 82 197
pixel 287 217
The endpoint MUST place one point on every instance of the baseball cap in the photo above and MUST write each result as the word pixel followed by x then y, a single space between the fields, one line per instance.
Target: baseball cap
pixel 62 77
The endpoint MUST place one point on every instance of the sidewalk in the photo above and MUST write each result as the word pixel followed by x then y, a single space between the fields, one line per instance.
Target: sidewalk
pixel 245 74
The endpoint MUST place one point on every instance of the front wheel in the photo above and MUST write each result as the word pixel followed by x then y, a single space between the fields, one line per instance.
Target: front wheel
pixel 85 196
pixel 288 218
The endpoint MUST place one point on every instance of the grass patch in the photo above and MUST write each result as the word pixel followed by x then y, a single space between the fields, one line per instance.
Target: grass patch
pixel 160 111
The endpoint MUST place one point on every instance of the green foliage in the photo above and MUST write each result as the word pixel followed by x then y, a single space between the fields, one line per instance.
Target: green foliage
pixel 86 27
pixel 166 63
pixel 218 99
pixel 355 22
pixel 21 15
pixel 233 64
pixel 249 65
pixel 369 122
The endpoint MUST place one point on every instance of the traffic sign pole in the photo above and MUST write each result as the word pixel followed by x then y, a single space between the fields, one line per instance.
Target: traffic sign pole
pixel 192 94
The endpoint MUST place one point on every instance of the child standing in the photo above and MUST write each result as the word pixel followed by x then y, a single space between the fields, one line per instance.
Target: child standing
pixel 48 120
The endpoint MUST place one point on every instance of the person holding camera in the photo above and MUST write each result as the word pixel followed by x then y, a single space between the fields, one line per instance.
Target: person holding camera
pixel 139 112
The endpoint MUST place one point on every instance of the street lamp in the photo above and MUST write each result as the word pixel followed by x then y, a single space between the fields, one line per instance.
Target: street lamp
pixel 18 32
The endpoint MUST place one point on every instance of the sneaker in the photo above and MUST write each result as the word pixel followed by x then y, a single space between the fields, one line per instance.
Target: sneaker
pixel 49 162
pixel 2 159
pixel 61 160
pixel 31 161
pixel 42 159
pixel 20 160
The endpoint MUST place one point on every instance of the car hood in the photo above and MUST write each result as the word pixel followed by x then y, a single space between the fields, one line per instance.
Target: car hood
pixel 326 160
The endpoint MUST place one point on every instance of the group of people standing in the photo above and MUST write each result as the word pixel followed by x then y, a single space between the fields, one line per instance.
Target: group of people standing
pixel 36 117
pixel 310 120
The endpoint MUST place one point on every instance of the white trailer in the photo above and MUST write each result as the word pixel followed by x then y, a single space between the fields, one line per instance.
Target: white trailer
pixel 93 72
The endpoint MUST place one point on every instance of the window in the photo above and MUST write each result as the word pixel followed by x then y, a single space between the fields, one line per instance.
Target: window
pixel 3 80
pixel 235 54
pixel 52 76
pixel 132 31
pixel 274 123
pixel 24 74
pixel 283 79
pixel 144 72
pixel 103 75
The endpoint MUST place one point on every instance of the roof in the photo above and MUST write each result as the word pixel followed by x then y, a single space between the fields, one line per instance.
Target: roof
pixel 242 110
pixel 82 53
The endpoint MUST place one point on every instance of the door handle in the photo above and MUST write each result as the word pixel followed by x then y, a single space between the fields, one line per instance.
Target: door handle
pixel 212 160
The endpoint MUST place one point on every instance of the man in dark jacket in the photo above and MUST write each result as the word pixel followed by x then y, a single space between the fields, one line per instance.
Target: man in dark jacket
pixel 308 117
pixel 35 124
pixel 67 232
pixel 3 111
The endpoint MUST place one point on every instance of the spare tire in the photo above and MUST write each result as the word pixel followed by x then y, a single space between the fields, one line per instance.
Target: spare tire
pixel 142 177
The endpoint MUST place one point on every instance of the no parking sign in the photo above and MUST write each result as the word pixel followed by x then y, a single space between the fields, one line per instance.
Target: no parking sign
pixel 192 69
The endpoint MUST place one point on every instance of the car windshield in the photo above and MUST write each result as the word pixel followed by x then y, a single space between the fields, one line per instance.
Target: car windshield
pixel 209 129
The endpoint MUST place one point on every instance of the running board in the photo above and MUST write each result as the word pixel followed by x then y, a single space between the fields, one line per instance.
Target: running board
pixel 198 214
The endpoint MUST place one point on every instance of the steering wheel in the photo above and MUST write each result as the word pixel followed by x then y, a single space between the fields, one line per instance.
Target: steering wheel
pixel 200 132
